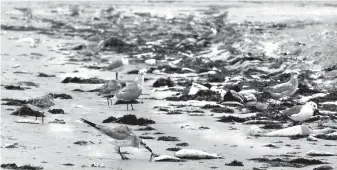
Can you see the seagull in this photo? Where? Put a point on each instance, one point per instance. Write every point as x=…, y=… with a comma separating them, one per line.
x=285, y=89
x=133, y=90
x=124, y=137
x=42, y=104
x=111, y=88
x=117, y=65
x=301, y=113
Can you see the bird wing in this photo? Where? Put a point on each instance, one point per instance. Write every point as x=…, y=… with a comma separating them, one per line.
x=118, y=133
x=115, y=64
x=292, y=110
x=111, y=87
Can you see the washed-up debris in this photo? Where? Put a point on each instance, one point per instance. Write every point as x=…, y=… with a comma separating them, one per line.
x=163, y=81
x=30, y=121
x=56, y=111
x=271, y=146
x=320, y=153
x=82, y=142
x=147, y=128
x=98, y=165
x=174, y=112
x=167, y=158
x=175, y=149
x=28, y=83
x=83, y=80
x=24, y=167
x=182, y=144
x=68, y=164
x=168, y=138
x=329, y=136
x=57, y=121
x=11, y=145
x=206, y=95
x=230, y=118
x=146, y=137
x=297, y=162
x=323, y=167
x=12, y=87
x=234, y=163
x=61, y=96
x=14, y=102
x=25, y=110
x=195, y=154
x=130, y=120
x=299, y=130
x=232, y=95
x=195, y=88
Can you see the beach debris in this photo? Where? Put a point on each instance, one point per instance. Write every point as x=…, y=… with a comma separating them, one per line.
x=147, y=128
x=232, y=95
x=57, y=121
x=14, y=102
x=320, y=153
x=11, y=145
x=234, y=163
x=168, y=138
x=82, y=142
x=56, y=111
x=68, y=164
x=98, y=165
x=28, y=121
x=167, y=158
x=61, y=96
x=83, y=80
x=25, y=110
x=195, y=154
x=329, y=136
x=296, y=162
x=299, y=130
x=195, y=88
x=130, y=120
x=185, y=144
x=175, y=149
x=12, y=87
x=163, y=81
x=24, y=167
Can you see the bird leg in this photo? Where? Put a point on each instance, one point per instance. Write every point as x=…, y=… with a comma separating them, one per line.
x=116, y=75
x=131, y=105
x=107, y=99
x=127, y=106
x=120, y=153
x=110, y=101
x=42, y=117
x=149, y=149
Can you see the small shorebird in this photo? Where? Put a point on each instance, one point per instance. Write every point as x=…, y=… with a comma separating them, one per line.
x=42, y=104
x=133, y=90
x=124, y=137
x=285, y=89
x=110, y=88
x=117, y=65
x=301, y=113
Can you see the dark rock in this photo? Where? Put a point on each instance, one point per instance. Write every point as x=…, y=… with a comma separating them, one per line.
x=163, y=81
x=168, y=138
x=79, y=90
x=209, y=106
x=12, y=87
x=45, y=75
x=25, y=110
x=326, y=136
x=56, y=111
x=273, y=126
x=83, y=81
x=61, y=96
x=296, y=137
x=146, y=137
x=271, y=146
x=234, y=163
x=14, y=102
x=204, y=127
x=82, y=142
x=323, y=167
x=232, y=119
x=182, y=144
x=147, y=128
x=68, y=164
x=222, y=110
x=175, y=149
x=232, y=95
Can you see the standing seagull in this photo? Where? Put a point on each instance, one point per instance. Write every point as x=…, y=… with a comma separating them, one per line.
x=133, y=90
x=42, y=104
x=110, y=88
x=117, y=65
x=285, y=89
x=124, y=137
x=301, y=113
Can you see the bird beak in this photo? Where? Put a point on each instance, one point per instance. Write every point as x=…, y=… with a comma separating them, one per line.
x=316, y=112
